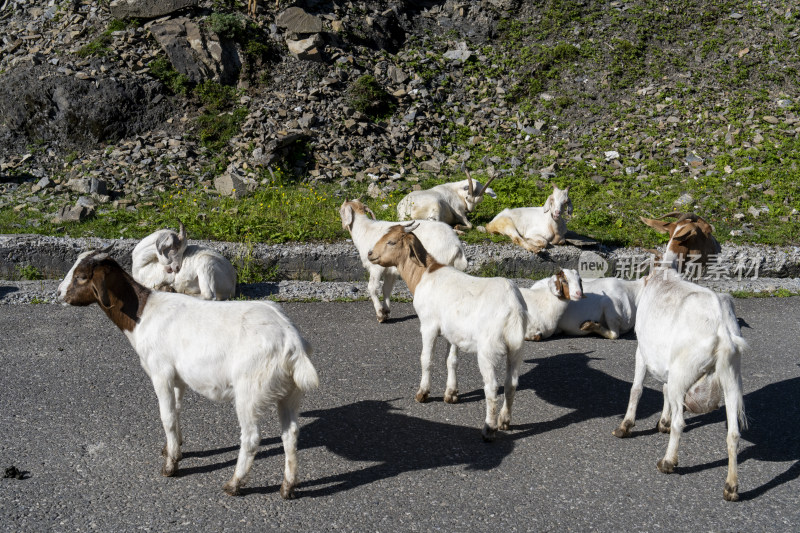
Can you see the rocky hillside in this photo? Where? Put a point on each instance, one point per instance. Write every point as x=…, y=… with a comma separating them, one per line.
x=695, y=104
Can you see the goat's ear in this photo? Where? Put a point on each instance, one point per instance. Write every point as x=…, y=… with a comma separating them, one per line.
x=416, y=250
x=554, y=284
x=684, y=232
x=548, y=204
x=569, y=207
x=659, y=225
x=347, y=215
x=181, y=232
x=99, y=287
x=705, y=227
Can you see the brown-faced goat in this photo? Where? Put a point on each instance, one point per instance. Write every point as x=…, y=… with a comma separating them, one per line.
x=608, y=308
x=534, y=228
x=482, y=315
x=245, y=352
x=690, y=239
x=437, y=237
x=547, y=301
x=689, y=339
x=449, y=202
x=165, y=261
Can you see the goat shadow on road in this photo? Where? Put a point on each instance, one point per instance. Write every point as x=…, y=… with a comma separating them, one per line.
x=5, y=291
x=374, y=431
x=773, y=415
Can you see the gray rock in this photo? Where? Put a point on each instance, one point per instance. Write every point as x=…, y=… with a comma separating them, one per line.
x=306, y=49
x=147, y=9
x=80, y=185
x=431, y=165
x=684, y=199
x=98, y=186
x=296, y=20
x=396, y=74
x=75, y=213
x=459, y=55
x=198, y=55
x=42, y=184
x=229, y=184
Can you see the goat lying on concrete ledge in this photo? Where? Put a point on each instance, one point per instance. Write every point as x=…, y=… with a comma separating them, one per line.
x=245, y=352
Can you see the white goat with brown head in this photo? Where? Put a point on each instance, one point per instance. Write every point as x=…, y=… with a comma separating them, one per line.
x=482, y=315
x=690, y=238
x=437, y=237
x=449, y=202
x=689, y=339
x=547, y=301
x=245, y=352
x=535, y=228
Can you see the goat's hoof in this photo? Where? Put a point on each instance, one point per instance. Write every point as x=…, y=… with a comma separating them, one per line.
x=231, y=488
x=169, y=469
x=623, y=431
x=488, y=433
x=287, y=491
x=663, y=427
x=421, y=397
x=383, y=316
x=451, y=396
x=667, y=467
x=504, y=425
x=731, y=494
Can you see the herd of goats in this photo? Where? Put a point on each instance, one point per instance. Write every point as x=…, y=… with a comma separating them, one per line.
x=250, y=353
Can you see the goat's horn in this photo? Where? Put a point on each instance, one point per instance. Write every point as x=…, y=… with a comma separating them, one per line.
x=411, y=226
x=368, y=210
x=490, y=180
x=181, y=231
x=469, y=180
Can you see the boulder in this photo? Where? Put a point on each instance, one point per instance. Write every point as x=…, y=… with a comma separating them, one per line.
x=297, y=21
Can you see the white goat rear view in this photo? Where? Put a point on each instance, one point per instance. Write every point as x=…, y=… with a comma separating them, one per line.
x=245, y=352
x=438, y=238
x=608, y=308
x=165, y=261
x=534, y=228
x=482, y=315
x=548, y=299
x=449, y=202
x=689, y=339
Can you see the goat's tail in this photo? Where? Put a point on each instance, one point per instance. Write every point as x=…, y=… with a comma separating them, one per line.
x=303, y=372
x=516, y=326
x=734, y=346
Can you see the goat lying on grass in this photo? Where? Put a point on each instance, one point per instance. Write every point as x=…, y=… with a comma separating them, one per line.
x=689, y=339
x=449, y=202
x=535, y=228
x=482, y=315
x=247, y=352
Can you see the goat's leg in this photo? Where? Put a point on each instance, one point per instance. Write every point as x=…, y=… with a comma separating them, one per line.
x=165, y=391
x=374, y=289
x=624, y=429
x=513, y=362
x=607, y=326
x=178, y=390
x=666, y=417
x=288, y=408
x=490, y=390
x=389, y=279
x=732, y=386
x=451, y=392
x=247, y=413
x=676, y=390
x=429, y=336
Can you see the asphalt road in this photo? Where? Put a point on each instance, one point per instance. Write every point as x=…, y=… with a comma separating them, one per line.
x=80, y=416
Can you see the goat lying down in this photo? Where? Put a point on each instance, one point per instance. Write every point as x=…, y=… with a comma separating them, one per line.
x=535, y=228
x=449, y=202
x=245, y=352
x=482, y=315
x=438, y=238
x=165, y=261
x=608, y=308
x=689, y=339
x=547, y=301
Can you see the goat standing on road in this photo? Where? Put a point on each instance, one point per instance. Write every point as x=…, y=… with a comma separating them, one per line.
x=247, y=352
x=483, y=315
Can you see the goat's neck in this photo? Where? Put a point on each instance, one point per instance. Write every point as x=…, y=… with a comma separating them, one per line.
x=412, y=272
x=128, y=299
